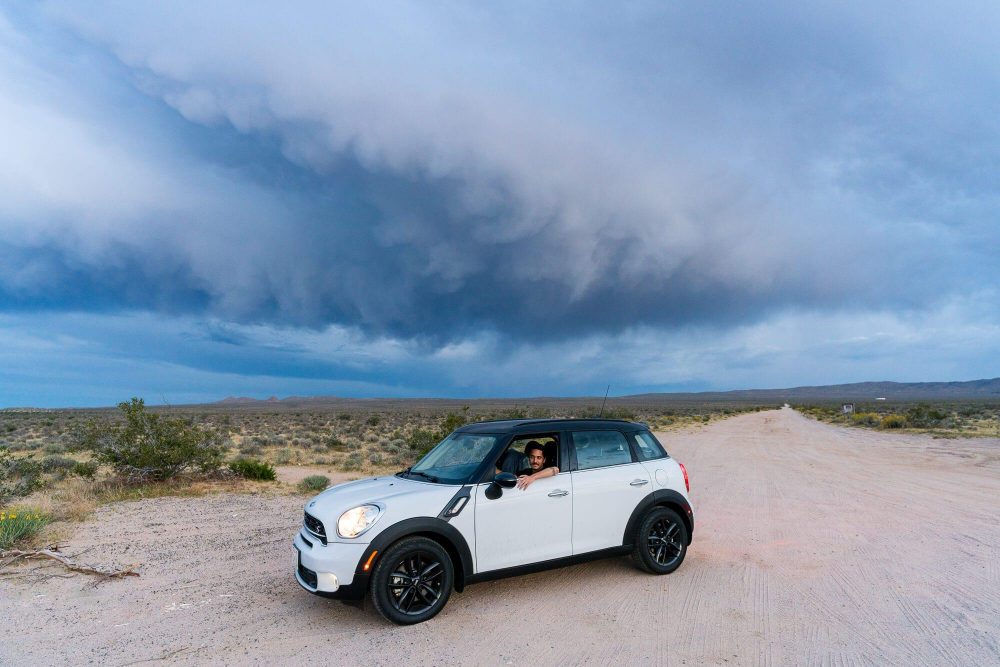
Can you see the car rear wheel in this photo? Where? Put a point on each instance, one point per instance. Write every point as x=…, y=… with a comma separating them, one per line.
x=660, y=541
x=412, y=580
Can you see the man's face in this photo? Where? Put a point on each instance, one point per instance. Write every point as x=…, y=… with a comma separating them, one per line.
x=536, y=459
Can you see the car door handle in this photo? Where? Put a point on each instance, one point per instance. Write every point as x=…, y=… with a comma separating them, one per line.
x=638, y=482
x=558, y=493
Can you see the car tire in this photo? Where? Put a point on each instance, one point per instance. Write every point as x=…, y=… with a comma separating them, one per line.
x=660, y=541
x=412, y=581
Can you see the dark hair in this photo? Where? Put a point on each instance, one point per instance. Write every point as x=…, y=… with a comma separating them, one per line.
x=534, y=444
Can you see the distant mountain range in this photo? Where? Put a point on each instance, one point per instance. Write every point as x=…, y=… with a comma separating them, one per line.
x=858, y=391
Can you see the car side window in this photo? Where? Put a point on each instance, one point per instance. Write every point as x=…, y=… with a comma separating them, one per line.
x=648, y=447
x=596, y=449
x=515, y=459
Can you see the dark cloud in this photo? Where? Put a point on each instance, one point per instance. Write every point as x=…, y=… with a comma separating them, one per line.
x=546, y=173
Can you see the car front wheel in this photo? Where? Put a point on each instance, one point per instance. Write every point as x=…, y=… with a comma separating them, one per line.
x=412, y=580
x=660, y=542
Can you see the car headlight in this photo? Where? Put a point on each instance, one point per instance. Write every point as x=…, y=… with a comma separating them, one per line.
x=355, y=521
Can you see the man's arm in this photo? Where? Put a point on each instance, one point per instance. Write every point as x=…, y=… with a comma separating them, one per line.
x=525, y=481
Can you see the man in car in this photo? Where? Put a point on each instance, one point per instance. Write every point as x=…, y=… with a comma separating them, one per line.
x=537, y=469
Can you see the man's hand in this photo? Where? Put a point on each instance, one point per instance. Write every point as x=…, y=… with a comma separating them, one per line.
x=524, y=481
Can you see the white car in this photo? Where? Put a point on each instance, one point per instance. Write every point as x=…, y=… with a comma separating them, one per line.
x=495, y=499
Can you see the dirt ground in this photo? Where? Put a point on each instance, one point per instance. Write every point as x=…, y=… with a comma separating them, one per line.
x=813, y=545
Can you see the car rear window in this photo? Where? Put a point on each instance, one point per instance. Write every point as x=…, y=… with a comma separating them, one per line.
x=648, y=447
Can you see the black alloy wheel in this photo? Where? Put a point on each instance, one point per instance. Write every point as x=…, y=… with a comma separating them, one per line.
x=412, y=580
x=660, y=542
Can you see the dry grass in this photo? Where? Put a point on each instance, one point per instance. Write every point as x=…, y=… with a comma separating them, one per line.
x=944, y=419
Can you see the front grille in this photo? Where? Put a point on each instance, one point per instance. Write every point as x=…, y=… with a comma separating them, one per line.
x=306, y=574
x=315, y=526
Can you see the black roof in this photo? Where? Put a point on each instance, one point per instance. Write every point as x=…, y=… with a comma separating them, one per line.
x=532, y=425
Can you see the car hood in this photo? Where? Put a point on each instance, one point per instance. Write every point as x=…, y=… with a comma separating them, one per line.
x=396, y=495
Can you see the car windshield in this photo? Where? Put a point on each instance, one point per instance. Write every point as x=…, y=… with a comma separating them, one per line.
x=454, y=459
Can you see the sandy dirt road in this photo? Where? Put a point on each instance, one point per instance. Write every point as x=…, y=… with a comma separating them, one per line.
x=813, y=545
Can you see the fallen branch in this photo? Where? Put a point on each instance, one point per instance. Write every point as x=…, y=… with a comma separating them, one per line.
x=11, y=556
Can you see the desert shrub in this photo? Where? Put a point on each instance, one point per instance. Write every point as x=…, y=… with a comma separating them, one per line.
x=251, y=449
x=344, y=416
x=147, y=446
x=375, y=457
x=85, y=469
x=56, y=463
x=893, y=421
x=353, y=461
x=283, y=457
x=421, y=440
x=18, y=476
x=450, y=422
x=19, y=524
x=923, y=415
x=619, y=413
x=314, y=483
x=865, y=419
x=336, y=444
x=370, y=436
x=54, y=448
x=251, y=469
x=373, y=420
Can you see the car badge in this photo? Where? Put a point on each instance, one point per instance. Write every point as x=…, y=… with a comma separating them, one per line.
x=312, y=503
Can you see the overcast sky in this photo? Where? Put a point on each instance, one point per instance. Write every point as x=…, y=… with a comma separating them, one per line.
x=444, y=199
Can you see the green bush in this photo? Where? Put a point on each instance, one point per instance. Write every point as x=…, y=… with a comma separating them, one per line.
x=251, y=469
x=18, y=476
x=314, y=483
x=85, y=469
x=152, y=447
x=865, y=419
x=56, y=463
x=619, y=413
x=923, y=415
x=893, y=421
x=421, y=440
x=451, y=422
x=19, y=524
x=353, y=461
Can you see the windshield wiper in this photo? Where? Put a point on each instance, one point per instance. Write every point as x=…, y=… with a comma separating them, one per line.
x=423, y=474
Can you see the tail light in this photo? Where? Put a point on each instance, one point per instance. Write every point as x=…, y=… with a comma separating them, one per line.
x=687, y=484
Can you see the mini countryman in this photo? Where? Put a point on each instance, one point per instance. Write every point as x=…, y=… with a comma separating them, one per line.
x=495, y=499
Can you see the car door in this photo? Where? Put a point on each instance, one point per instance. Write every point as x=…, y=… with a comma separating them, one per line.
x=524, y=526
x=607, y=485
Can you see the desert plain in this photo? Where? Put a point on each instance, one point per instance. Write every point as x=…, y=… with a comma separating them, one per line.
x=814, y=544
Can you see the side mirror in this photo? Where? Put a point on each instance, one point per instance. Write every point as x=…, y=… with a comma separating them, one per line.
x=506, y=479
x=503, y=480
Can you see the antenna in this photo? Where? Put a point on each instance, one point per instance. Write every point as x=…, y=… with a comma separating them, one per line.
x=604, y=401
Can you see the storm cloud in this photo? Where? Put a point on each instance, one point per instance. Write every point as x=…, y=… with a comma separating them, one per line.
x=438, y=173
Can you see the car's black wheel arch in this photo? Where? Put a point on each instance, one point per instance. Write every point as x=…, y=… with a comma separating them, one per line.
x=660, y=498
x=432, y=528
